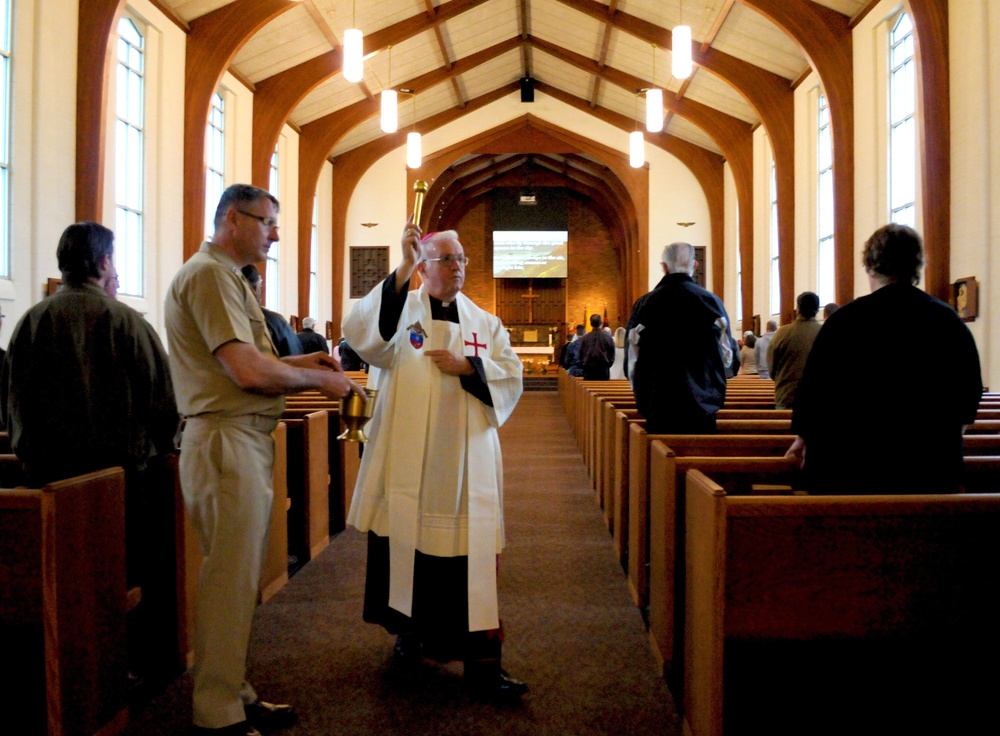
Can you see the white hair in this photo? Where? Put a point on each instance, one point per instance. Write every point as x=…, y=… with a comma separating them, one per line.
x=433, y=238
x=679, y=258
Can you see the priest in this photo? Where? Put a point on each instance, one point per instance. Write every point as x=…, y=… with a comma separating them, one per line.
x=429, y=491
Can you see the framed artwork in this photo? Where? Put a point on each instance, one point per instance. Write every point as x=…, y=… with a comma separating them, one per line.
x=965, y=297
x=369, y=265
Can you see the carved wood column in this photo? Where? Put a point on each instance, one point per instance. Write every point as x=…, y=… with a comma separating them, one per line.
x=94, y=54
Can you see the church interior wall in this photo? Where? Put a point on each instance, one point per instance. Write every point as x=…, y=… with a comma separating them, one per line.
x=975, y=184
x=475, y=229
x=594, y=274
x=324, y=244
x=675, y=196
x=288, y=195
x=732, y=238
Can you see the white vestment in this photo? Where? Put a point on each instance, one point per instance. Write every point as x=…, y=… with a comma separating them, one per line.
x=431, y=477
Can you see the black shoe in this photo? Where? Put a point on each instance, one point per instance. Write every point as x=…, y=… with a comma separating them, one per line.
x=237, y=729
x=269, y=716
x=497, y=685
x=408, y=651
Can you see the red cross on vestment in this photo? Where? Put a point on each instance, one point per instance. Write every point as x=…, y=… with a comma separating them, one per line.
x=475, y=343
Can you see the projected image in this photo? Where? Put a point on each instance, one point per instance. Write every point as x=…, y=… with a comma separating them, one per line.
x=530, y=254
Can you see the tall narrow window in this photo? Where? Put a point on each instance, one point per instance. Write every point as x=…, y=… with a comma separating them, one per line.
x=129, y=158
x=215, y=160
x=271, y=293
x=774, y=245
x=5, y=105
x=902, y=124
x=739, y=281
x=825, y=268
x=314, y=263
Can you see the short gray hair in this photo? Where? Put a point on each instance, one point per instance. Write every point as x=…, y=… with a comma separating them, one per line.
x=679, y=258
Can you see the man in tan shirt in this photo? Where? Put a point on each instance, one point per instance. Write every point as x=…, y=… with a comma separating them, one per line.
x=230, y=388
x=789, y=349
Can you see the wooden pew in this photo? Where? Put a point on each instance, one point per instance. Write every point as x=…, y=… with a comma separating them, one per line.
x=636, y=524
x=275, y=572
x=63, y=605
x=668, y=472
x=915, y=575
x=308, y=484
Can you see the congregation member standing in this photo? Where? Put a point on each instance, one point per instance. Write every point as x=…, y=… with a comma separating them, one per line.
x=230, y=387
x=789, y=349
x=430, y=491
x=312, y=341
x=286, y=342
x=86, y=383
x=876, y=428
x=597, y=352
x=748, y=358
x=760, y=349
x=679, y=348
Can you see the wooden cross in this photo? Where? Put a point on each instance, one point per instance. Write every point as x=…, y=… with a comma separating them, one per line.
x=531, y=296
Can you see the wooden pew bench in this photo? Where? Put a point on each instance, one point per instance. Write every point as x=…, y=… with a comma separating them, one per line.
x=668, y=474
x=63, y=605
x=308, y=471
x=887, y=605
x=634, y=524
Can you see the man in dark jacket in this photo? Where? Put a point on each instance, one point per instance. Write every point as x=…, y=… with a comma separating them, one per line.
x=679, y=344
x=597, y=351
x=312, y=341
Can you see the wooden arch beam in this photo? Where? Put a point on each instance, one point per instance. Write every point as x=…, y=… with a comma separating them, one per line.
x=348, y=169
x=770, y=95
x=825, y=36
x=532, y=134
x=94, y=45
x=930, y=19
x=706, y=166
x=213, y=41
x=278, y=95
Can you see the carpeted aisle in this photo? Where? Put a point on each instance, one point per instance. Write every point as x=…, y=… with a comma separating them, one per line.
x=572, y=631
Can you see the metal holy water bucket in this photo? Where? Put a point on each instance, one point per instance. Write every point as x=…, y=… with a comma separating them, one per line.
x=355, y=412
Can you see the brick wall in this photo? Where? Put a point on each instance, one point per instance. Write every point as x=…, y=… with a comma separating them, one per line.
x=594, y=274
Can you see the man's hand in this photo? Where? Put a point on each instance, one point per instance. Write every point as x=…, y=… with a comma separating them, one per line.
x=314, y=360
x=410, y=243
x=451, y=363
x=797, y=451
x=336, y=385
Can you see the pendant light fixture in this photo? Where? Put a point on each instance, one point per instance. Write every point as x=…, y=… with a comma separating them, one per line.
x=680, y=48
x=414, y=157
x=636, y=144
x=354, y=52
x=390, y=117
x=654, y=103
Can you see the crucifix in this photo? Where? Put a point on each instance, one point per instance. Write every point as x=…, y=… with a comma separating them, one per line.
x=531, y=296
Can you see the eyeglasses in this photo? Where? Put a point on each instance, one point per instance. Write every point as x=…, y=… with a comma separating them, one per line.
x=450, y=259
x=269, y=222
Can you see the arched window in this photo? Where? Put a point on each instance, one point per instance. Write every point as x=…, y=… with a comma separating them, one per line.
x=825, y=269
x=774, y=245
x=739, y=280
x=215, y=160
x=271, y=280
x=130, y=158
x=5, y=105
x=902, y=123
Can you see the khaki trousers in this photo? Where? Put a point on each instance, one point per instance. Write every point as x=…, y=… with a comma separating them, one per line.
x=226, y=467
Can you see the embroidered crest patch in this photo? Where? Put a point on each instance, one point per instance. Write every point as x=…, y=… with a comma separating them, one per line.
x=417, y=335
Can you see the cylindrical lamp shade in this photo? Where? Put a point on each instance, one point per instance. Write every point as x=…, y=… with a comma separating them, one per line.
x=680, y=52
x=654, y=110
x=354, y=55
x=413, y=154
x=390, y=120
x=636, y=149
